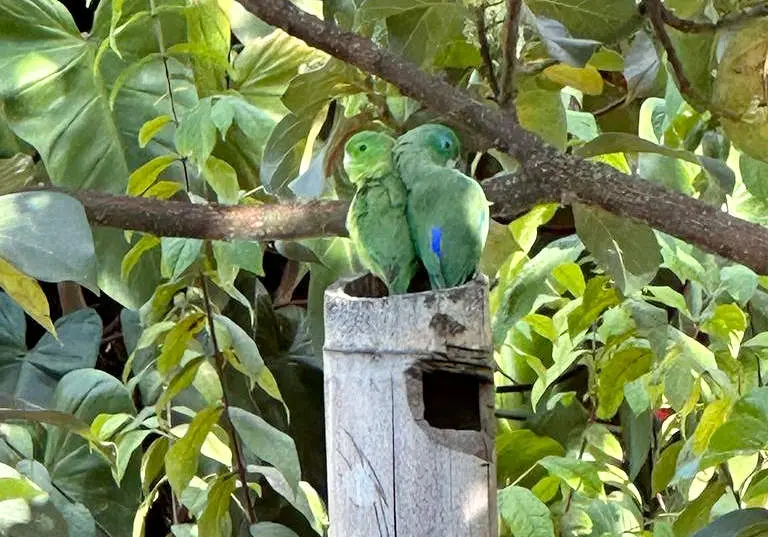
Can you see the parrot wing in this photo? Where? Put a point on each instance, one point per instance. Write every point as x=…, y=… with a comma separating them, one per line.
x=378, y=226
x=449, y=218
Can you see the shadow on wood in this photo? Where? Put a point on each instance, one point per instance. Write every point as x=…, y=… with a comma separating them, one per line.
x=409, y=412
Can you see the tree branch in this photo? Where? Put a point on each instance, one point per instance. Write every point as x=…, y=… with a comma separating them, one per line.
x=656, y=14
x=511, y=25
x=216, y=222
x=732, y=19
x=485, y=52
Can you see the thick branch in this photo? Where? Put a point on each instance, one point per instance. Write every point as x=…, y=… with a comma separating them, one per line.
x=216, y=222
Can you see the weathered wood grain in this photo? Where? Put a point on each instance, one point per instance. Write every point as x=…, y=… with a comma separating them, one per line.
x=392, y=473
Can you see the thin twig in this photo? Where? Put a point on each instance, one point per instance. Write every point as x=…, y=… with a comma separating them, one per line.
x=732, y=19
x=509, y=53
x=487, y=70
x=219, y=361
x=656, y=12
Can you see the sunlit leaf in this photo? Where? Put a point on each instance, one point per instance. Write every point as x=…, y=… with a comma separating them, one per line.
x=524, y=513
x=182, y=457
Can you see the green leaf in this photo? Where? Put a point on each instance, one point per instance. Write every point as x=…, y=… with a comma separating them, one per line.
x=562, y=46
x=81, y=474
x=697, y=513
x=627, y=249
x=270, y=529
x=223, y=180
x=727, y=324
x=178, y=255
x=542, y=112
x=599, y=295
x=267, y=443
x=524, y=513
x=518, y=451
x=16, y=172
x=46, y=235
x=180, y=381
x=651, y=323
x=569, y=275
x=741, y=523
x=664, y=469
x=746, y=429
x=32, y=375
x=419, y=34
x=591, y=19
x=60, y=105
x=182, y=457
x=754, y=173
x=519, y=295
x=250, y=358
x=760, y=340
x=669, y=297
x=618, y=142
x=524, y=228
x=641, y=66
x=740, y=282
x=153, y=462
x=196, y=134
x=176, y=340
x=622, y=367
x=208, y=30
x=581, y=476
x=215, y=520
x=264, y=68
x=738, y=88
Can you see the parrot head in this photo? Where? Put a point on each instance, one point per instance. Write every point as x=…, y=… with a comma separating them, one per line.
x=440, y=143
x=368, y=154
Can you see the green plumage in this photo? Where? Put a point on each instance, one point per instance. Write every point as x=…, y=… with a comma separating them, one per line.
x=447, y=211
x=376, y=220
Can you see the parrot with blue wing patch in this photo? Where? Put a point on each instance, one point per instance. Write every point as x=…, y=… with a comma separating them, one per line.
x=376, y=221
x=447, y=211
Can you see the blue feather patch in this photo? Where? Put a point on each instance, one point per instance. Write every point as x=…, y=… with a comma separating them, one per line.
x=437, y=241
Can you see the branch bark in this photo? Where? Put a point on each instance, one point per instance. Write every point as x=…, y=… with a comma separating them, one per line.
x=511, y=26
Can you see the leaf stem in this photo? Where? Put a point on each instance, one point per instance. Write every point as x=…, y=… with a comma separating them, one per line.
x=219, y=362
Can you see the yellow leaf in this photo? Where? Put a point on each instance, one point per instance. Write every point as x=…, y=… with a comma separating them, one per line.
x=585, y=79
x=132, y=256
x=27, y=293
x=144, y=177
x=150, y=129
x=162, y=190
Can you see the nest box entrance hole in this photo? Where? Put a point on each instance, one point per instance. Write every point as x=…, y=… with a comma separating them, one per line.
x=451, y=400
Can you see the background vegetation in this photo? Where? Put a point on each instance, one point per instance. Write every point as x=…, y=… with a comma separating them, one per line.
x=160, y=350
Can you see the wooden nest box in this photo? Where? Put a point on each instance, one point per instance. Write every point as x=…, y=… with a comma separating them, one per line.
x=409, y=413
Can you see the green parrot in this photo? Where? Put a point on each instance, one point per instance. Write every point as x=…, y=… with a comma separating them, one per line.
x=447, y=211
x=376, y=220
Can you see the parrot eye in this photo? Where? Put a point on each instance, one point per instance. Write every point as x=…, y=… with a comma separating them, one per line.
x=446, y=144
x=362, y=147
